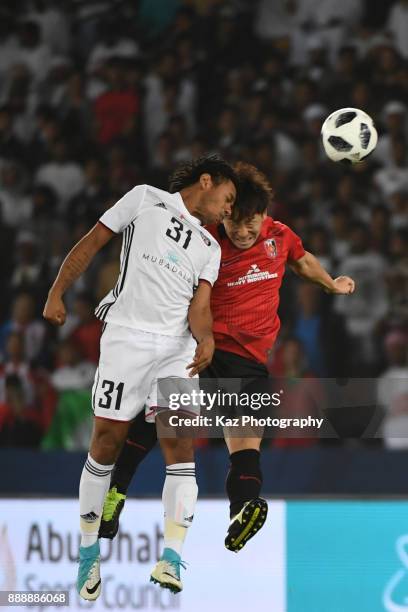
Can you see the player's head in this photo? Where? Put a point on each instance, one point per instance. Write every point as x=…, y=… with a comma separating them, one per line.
x=208, y=186
x=250, y=209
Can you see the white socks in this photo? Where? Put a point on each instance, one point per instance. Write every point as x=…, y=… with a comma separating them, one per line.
x=179, y=499
x=94, y=485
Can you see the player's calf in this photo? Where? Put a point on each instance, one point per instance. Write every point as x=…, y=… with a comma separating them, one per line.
x=179, y=499
x=140, y=441
x=248, y=510
x=95, y=479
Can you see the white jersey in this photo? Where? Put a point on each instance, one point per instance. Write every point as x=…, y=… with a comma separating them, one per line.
x=165, y=252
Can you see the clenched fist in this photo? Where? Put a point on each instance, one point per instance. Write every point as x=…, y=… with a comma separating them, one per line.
x=343, y=285
x=54, y=310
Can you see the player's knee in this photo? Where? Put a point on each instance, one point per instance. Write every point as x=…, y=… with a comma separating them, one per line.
x=237, y=444
x=106, y=445
x=178, y=450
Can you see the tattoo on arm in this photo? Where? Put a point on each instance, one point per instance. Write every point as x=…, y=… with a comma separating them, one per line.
x=73, y=266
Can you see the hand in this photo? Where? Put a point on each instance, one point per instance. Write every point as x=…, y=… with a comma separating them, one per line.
x=54, y=310
x=203, y=356
x=343, y=285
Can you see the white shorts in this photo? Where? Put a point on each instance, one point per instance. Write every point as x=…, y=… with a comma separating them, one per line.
x=130, y=364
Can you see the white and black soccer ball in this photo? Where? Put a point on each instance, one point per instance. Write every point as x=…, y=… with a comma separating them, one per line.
x=349, y=134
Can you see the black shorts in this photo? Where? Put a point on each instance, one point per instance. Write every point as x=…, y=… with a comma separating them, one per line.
x=230, y=375
x=229, y=365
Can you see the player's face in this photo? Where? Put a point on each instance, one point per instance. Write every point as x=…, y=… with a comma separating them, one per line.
x=245, y=233
x=216, y=201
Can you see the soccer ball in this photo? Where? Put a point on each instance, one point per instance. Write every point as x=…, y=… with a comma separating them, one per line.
x=349, y=134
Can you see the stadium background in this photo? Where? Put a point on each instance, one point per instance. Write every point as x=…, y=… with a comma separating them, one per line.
x=96, y=96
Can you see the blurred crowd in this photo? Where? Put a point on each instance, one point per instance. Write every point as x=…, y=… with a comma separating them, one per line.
x=99, y=95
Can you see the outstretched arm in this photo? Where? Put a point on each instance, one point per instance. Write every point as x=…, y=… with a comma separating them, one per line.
x=200, y=321
x=309, y=268
x=75, y=263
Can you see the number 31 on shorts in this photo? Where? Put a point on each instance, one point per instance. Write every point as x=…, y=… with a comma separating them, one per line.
x=111, y=393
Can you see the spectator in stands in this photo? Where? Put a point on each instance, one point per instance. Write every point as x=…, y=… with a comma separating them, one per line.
x=397, y=278
x=44, y=222
x=54, y=25
x=156, y=17
x=6, y=248
x=395, y=176
x=122, y=172
x=302, y=394
x=113, y=44
x=344, y=75
x=87, y=19
x=75, y=110
x=368, y=305
x=393, y=391
x=16, y=364
x=399, y=208
x=398, y=26
x=162, y=160
x=46, y=131
x=394, y=116
x=29, y=272
x=87, y=333
x=347, y=196
x=177, y=130
x=117, y=106
x=24, y=320
x=321, y=333
x=318, y=242
x=380, y=229
x=16, y=208
x=386, y=63
x=87, y=206
x=22, y=97
x=72, y=372
x=39, y=397
x=16, y=426
x=32, y=52
x=167, y=95
x=339, y=225
x=8, y=48
x=64, y=175
x=10, y=147
x=316, y=198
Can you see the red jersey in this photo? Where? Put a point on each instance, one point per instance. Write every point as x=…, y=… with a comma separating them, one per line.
x=245, y=297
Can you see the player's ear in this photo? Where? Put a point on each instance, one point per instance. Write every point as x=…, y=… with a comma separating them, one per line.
x=206, y=181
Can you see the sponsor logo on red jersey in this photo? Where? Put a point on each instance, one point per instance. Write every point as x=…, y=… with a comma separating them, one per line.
x=253, y=275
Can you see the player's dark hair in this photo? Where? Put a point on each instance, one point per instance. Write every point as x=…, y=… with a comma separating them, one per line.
x=189, y=172
x=254, y=194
